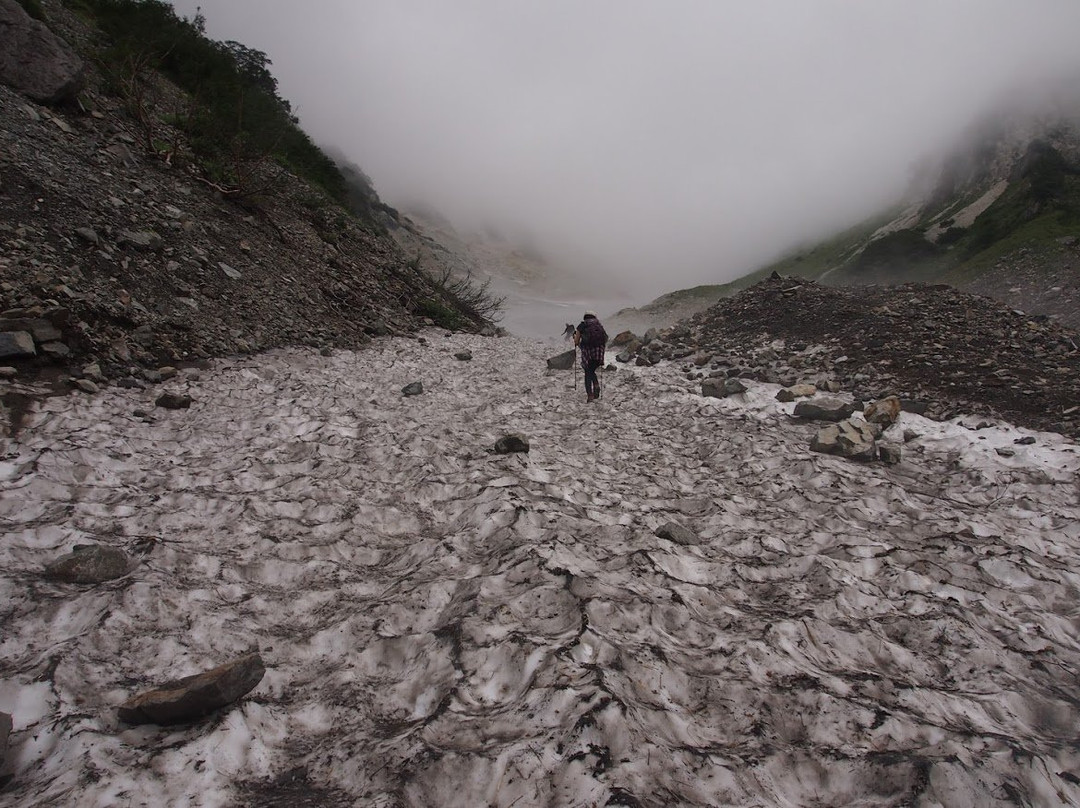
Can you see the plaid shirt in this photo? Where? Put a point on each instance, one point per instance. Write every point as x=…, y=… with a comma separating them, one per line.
x=593, y=355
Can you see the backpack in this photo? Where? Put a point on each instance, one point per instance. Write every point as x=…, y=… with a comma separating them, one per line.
x=593, y=334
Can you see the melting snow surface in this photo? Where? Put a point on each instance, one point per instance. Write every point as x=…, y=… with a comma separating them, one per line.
x=446, y=626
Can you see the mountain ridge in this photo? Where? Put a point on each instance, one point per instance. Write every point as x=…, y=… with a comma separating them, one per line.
x=999, y=215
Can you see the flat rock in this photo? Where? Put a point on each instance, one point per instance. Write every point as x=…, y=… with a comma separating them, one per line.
x=563, y=361
x=173, y=401
x=89, y=564
x=463, y=356
x=722, y=387
x=514, y=442
x=673, y=531
x=17, y=344
x=795, y=391
x=141, y=239
x=824, y=409
x=195, y=696
x=412, y=389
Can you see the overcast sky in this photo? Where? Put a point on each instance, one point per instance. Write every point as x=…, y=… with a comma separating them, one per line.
x=671, y=143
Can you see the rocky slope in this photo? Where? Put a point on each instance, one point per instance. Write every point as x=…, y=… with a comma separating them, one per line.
x=942, y=350
x=120, y=260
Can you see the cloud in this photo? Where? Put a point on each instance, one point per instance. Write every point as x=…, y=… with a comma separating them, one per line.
x=661, y=143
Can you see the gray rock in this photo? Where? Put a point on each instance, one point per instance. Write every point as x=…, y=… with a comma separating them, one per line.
x=514, y=442
x=17, y=343
x=910, y=435
x=55, y=350
x=464, y=356
x=643, y=361
x=166, y=372
x=44, y=331
x=412, y=389
x=673, y=531
x=623, y=356
x=195, y=696
x=795, y=391
x=1027, y=441
x=93, y=372
x=86, y=386
x=563, y=361
x=1004, y=451
x=141, y=240
x=89, y=564
x=650, y=335
x=35, y=61
x=825, y=409
x=847, y=439
x=174, y=401
x=87, y=234
x=913, y=406
x=229, y=271
x=889, y=454
x=6, y=765
x=721, y=387
x=8, y=372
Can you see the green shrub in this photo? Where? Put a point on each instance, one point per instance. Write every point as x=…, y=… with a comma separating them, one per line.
x=237, y=118
x=34, y=9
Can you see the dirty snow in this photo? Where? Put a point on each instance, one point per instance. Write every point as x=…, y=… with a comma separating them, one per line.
x=446, y=626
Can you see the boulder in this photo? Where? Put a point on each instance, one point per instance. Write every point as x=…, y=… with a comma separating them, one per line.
x=623, y=338
x=412, y=389
x=847, y=439
x=824, y=409
x=33, y=60
x=884, y=411
x=796, y=391
x=194, y=696
x=463, y=356
x=514, y=442
x=17, y=344
x=174, y=401
x=721, y=387
x=623, y=356
x=563, y=361
x=89, y=564
x=673, y=531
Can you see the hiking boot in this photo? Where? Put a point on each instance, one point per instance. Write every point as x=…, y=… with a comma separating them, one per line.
x=588, y=398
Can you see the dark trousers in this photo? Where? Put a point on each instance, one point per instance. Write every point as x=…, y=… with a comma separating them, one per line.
x=592, y=383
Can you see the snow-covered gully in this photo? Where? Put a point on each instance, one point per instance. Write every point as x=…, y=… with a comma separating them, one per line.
x=446, y=626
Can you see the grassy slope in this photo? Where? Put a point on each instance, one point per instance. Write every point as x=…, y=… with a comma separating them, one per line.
x=1035, y=210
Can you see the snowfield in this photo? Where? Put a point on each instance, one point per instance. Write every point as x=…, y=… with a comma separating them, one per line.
x=445, y=626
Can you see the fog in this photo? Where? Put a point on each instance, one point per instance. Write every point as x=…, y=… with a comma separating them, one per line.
x=659, y=144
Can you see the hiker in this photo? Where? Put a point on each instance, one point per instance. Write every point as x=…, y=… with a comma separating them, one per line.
x=591, y=337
